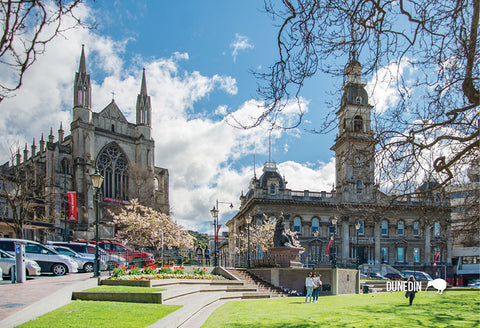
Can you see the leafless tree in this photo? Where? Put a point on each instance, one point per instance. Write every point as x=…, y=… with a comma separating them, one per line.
x=27, y=26
x=23, y=191
x=426, y=50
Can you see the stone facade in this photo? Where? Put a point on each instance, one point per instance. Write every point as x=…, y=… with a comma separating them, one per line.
x=123, y=153
x=403, y=233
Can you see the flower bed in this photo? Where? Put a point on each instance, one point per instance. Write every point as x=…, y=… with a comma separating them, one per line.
x=165, y=272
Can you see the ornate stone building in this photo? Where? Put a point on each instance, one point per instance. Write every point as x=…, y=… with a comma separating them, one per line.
x=361, y=221
x=123, y=153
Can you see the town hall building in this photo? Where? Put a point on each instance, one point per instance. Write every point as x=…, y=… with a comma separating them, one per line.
x=355, y=222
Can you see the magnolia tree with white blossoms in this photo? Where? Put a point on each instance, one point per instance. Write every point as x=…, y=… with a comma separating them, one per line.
x=142, y=225
x=262, y=235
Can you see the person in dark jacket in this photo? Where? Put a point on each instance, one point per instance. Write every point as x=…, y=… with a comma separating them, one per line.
x=410, y=293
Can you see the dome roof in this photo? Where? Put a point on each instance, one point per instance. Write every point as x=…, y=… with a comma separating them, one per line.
x=270, y=172
x=355, y=94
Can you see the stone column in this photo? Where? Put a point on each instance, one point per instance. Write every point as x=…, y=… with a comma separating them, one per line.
x=377, y=232
x=345, y=240
x=449, y=244
x=428, y=255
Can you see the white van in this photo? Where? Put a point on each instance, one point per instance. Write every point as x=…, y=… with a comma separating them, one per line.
x=49, y=260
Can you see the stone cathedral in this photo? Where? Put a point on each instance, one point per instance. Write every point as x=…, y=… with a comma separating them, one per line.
x=122, y=152
x=358, y=220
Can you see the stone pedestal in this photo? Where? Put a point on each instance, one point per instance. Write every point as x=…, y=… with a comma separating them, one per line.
x=286, y=257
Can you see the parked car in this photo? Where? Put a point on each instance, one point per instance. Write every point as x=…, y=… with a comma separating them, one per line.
x=418, y=275
x=49, y=260
x=88, y=250
x=133, y=257
x=395, y=276
x=84, y=263
x=474, y=283
x=7, y=264
x=376, y=276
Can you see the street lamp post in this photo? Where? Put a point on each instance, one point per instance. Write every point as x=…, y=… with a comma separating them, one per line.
x=334, y=260
x=97, y=180
x=248, y=219
x=214, y=211
x=357, y=260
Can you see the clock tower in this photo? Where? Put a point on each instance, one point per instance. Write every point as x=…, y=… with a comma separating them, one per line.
x=355, y=143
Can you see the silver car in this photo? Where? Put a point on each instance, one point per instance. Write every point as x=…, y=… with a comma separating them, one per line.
x=84, y=263
x=7, y=263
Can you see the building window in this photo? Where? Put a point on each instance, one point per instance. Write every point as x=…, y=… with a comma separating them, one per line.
x=65, y=166
x=401, y=255
x=384, y=255
x=361, y=231
x=358, y=124
x=297, y=225
x=314, y=225
x=272, y=189
x=400, y=228
x=333, y=228
x=112, y=164
x=416, y=255
x=436, y=229
x=384, y=228
x=359, y=186
x=416, y=231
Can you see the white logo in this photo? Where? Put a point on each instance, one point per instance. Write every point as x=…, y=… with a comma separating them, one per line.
x=438, y=284
x=404, y=286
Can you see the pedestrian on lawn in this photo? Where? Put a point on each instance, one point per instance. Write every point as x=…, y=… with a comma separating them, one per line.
x=317, y=284
x=309, y=286
x=410, y=294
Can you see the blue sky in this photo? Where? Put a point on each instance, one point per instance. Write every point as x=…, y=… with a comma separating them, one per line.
x=198, y=57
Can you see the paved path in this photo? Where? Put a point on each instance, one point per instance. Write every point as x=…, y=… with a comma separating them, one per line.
x=22, y=302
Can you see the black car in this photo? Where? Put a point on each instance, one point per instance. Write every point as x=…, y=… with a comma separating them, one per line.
x=395, y=276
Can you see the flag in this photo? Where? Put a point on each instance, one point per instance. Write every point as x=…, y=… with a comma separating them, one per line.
x=436, y=257
x=328, y=248
x=216, y=232
x=72, y=205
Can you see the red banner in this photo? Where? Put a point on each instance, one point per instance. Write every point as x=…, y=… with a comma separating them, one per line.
x=328, y=248
x=436, y=257
x=72, y=205
x=216, y=232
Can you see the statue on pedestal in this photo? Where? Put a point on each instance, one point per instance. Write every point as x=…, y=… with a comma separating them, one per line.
x=280, y=237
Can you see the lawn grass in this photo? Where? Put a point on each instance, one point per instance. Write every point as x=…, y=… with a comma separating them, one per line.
x=80, y=314
x=429, y=309
x=123, y=289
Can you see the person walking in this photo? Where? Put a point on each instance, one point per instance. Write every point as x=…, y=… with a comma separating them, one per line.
x=317, y=284
x=309, y=286
x=207, y=256
x=199, y=252
x=410, y=294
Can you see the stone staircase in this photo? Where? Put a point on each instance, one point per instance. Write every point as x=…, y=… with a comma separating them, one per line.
x=252, y=280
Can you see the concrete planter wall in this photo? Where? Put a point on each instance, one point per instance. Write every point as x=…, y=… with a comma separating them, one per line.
x=118, y=297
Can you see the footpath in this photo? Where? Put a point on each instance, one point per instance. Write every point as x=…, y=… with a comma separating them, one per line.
x=23, y=302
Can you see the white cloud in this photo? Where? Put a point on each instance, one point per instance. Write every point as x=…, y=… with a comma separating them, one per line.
x=239, y=44
x=200, y=152
x=313, y=177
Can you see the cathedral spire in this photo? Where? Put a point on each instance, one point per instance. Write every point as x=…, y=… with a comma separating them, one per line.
x=82, y=68
x=82, y=90
x=143, y=88
x=144, y=108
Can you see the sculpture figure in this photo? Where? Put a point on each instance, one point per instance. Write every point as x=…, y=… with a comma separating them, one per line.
x=280, y=237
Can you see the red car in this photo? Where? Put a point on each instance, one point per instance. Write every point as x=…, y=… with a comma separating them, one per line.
x=131, y=256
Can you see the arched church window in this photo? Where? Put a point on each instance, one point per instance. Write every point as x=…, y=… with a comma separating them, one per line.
x=112, y=164
x=358, y=124
x=113, y=127
x=157, y=184
x=297, y=225
x=65, y=166
x=359, y=186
